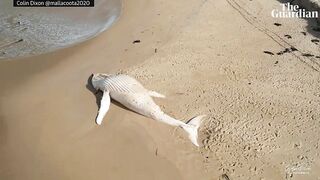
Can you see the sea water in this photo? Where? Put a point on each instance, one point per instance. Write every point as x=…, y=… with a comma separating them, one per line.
x=26, y=31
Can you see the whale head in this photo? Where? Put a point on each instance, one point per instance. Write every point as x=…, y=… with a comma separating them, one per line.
x=97, y=80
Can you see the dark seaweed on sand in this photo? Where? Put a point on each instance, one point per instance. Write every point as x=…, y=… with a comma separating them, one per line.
x=286, y=50
x=268, y=52
x=288, y=36
x=136, y=41
x=307, y=55
x=293, y=49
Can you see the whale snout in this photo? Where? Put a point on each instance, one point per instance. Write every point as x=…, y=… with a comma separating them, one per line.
x=94, y=76
x=99, y=76
x=97, y=80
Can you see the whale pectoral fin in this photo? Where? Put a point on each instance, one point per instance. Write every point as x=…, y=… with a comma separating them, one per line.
x=104, y=107
x=155, y=94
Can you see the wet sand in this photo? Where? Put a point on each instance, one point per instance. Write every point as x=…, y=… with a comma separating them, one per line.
x=47, y=111
x=263, y=109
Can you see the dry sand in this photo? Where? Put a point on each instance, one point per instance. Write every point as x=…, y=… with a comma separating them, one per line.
x=263, y=110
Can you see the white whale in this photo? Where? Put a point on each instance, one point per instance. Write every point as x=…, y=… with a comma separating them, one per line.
x=130, y=93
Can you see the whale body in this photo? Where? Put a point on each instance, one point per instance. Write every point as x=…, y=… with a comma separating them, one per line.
x=131, y=94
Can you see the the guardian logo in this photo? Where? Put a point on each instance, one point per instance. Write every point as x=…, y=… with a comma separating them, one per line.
x=293, y=11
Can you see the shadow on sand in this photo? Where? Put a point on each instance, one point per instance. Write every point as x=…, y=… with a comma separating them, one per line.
x=313, y=26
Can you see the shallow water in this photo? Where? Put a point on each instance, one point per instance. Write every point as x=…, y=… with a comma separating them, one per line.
x=33, y=31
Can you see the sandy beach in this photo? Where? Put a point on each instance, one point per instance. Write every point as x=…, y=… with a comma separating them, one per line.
x=255, y=77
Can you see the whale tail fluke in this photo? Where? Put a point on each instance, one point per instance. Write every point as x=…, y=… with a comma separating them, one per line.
x=191, y=127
